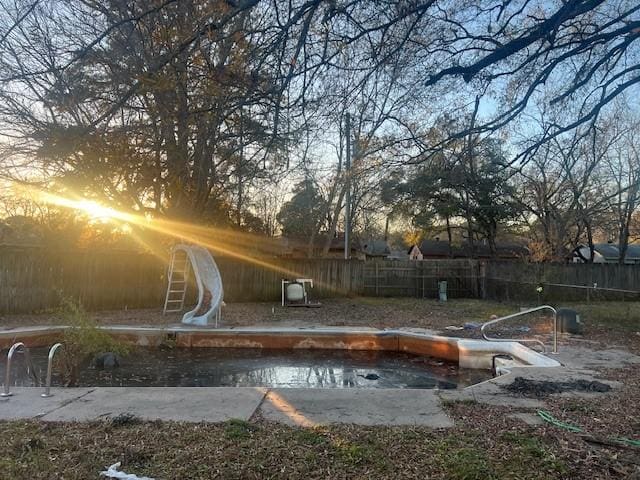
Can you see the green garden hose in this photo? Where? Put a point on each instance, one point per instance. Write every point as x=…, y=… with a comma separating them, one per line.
x=547, y=417
x=627, y=441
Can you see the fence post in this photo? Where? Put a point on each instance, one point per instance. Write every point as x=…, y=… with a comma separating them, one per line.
x=376, y=275
x=472, y=283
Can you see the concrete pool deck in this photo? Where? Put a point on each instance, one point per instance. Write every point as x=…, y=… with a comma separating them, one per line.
x=303, y=407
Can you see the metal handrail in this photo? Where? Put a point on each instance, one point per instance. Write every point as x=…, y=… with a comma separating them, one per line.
x=7, y=380
x=47, y=391
x=530, y=340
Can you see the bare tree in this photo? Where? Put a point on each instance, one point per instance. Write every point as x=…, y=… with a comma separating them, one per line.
x=622, y=172
x=583, y=49
x=513, y=54
x=572, y=185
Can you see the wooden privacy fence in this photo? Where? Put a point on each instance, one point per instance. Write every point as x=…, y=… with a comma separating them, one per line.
x=420, y=279
x=34, y=279
x=246, y=281
x=507, y=281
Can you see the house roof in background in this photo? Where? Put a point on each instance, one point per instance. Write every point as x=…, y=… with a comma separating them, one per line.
x=607, y=250
x=336, y=242
x=611, y=251
x=633, y=251
x=376, y=248
x=439, y=248
x=398, y=255
x=434, y=248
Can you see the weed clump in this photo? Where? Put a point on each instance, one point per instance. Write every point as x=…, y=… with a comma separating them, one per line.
x=82, y=341
x=124, y=420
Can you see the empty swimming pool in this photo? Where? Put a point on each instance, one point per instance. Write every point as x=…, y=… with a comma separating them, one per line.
x=249, y=367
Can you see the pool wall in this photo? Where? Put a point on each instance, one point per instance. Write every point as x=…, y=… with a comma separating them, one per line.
x=468, y=353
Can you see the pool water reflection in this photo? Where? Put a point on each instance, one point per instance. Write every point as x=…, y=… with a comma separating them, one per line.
x=240, y=367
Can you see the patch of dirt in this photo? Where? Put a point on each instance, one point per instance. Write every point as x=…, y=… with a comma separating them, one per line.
x=542, y=388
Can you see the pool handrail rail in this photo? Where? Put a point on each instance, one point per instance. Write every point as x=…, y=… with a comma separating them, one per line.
x=52, y=351
x=524, y=340
x=16, y=347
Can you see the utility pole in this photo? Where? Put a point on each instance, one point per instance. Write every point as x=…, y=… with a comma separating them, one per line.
x=347, y=172
x=239, y=168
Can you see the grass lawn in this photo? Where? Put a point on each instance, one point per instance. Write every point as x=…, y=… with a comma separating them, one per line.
x=485, y=442
x=241, y=450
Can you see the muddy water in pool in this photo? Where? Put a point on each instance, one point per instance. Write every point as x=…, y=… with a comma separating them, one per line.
x=227, y=367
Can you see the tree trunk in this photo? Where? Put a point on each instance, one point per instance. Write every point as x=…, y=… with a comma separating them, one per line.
x=592, y=248
x=624, y=233
x=334, y=220
x=449, y=236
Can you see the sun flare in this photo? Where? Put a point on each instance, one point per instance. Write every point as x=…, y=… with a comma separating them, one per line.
x=224, y=242
x=96, y=211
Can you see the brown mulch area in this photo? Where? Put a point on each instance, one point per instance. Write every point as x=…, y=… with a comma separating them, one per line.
x=543, y=388
x=370, y=312
x=609, y=336
x=590, y=454
x=615, y=413
x=603, y=418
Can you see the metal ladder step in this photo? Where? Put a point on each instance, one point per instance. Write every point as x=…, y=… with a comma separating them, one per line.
x=177, y=282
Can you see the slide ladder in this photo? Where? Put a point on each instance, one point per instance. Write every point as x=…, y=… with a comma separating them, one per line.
x=177, y=285
x=207, y=278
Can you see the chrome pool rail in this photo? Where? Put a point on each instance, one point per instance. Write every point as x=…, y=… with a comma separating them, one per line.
x=47, y=389
x=527, y=340
x=16, y=347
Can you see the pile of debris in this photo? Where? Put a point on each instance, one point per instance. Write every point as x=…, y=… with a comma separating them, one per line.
x=542, y=388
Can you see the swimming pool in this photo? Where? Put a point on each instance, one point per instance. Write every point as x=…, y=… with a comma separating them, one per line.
x=332, y=357
x=271, y=368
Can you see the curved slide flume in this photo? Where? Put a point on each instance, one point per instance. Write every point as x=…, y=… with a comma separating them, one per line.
x=209, y=282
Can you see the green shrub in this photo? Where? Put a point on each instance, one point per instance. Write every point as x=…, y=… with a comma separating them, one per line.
x=82, y=341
